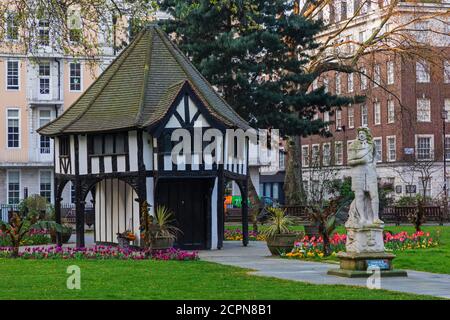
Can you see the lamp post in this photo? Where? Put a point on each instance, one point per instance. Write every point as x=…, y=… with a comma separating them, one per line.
x=444, y=117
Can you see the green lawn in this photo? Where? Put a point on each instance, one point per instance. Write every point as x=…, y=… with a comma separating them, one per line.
x=435, y=260
x=114, y=279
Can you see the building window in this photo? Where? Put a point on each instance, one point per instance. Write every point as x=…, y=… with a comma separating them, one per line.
x=338, y=83
x=391, y=149
x=446, y=71
x=305, y=156
x=378, y=149
x=315, y=155
x=326, y=118
x=44, y=118
x=72, y=193
x=326, y=85
x=422, y=72
x=447, y=108
x=377, y=113
x=364, y=116
x=447, y=147
x=13, y=187
x=13, y=128
x=424, y=146
x=116, y=143
x=64, y=146
x=343, y=10
x=12, y=77
x=44, y=78
x=423, y=110
x=350, y=82
x=338, y=119
x=75, y=76
x=326, y=154
x=390, y=111
x=377, y=75
x=12, y=27
x=390, y=72
x=282, y=161
x=351, y=117
x=338, y=153
x=425, y=186
x=44, y=32
x=45, y=184
x=363, y=81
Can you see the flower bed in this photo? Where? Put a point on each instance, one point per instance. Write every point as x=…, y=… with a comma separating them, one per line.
x=313, y=247
x=236, y=234
x=36, y=237
x=100, y=252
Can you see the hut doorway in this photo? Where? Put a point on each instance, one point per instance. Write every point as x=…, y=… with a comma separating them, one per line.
x=190, y=201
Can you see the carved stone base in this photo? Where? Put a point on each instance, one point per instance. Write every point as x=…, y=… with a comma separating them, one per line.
x=357, y=265
x=365, y=239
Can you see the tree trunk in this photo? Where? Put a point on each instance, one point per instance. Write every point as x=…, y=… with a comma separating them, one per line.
x=255, y=204
x=293, y=185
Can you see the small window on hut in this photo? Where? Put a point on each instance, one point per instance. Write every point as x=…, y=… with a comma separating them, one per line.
x=108, y=144
x=64, y=146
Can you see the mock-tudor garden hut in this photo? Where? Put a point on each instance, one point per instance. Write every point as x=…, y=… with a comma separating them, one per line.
x=114, y=142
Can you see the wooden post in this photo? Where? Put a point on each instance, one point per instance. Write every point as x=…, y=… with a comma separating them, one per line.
x=58, y=200
x=244, y=195
x=220, y=207
x=79, y=214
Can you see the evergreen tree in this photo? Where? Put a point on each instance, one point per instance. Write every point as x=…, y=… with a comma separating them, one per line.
x=256, y=53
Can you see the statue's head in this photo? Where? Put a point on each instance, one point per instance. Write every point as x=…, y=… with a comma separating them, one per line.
x=364, y=135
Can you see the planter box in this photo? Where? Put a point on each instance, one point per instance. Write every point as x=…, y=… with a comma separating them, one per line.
x=282, y=243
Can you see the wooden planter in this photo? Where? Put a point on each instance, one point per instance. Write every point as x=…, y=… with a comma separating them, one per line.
x=311, y=230
x=281, y=243
x=65, y=235
x=162, y=243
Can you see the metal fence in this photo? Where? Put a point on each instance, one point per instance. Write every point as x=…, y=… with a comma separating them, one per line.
x=5, y=209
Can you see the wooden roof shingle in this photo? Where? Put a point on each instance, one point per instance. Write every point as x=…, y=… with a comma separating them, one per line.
x=137, y=90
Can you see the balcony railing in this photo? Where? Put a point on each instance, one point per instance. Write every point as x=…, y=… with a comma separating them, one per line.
x=38, y=96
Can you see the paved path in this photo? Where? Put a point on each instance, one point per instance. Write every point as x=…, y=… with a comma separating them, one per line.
x=257, y=257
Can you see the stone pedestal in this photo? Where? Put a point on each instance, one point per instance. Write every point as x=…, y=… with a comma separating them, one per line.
x=365, y=254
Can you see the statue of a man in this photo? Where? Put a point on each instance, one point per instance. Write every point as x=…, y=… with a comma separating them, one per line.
x=361, y=157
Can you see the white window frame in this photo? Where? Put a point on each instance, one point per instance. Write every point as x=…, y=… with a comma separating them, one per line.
x=376, y=75
x=447, y=71
x=315, y=161
x=326, y=163
x=51, y=182
x=40, y=125
x=381, y=148
x=390, y=69
x=447, y=108
x=431, y=136
x=366, y=124
x=350, y=82
x=305, y=164
x=377, y=113
x=390, y=103
x=338, y=115
x=351, y=124
x=7, y=183
x=336, y=162
x=338, y=83
x=447, y=136
x=388, y=149
x=428, y=119
x=81, y=76
x=18, y=74
x=20, y=128
x=47, y=77
x=423, y=72
x=363, y=79
x=6, y=27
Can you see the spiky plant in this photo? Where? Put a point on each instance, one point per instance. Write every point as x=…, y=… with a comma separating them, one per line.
x=279, y=223
x=165, y=222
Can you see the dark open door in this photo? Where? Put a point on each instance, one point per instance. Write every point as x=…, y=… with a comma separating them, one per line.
x=188, y=199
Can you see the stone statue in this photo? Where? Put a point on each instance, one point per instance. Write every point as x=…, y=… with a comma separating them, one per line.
x=364, y=246
x=361, y=157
